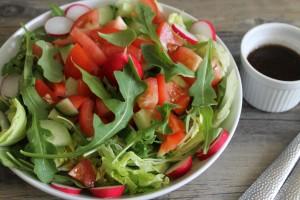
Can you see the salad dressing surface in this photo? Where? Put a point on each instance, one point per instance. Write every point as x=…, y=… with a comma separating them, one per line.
x=276, y=61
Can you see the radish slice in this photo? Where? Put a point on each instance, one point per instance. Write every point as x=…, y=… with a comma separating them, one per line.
x=215, y=147
x=108, y=191
x=204, y=28
x=181, y=168
x=10, y=86
x=66, y=189
x=76, y=10
x=184, y=34
x=58, y=26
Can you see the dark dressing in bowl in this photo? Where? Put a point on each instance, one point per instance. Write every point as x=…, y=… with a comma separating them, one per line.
x=276, y=61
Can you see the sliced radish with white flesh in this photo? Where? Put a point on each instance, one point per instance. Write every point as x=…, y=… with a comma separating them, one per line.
x=204, y=28
x=184, y=34
x=180, y=169
x=10, y=86
x=66, y=189
x=108, y=191
x=215, y=147
x=76, y=10
x=58, y=26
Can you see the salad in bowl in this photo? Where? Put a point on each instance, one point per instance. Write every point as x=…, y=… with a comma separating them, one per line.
x=116, y=100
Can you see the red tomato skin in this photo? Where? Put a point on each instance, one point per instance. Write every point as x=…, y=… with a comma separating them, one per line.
x=182, y=104
x=149, y=99
x=116, y=62
x=187, y=57
x=83, y=89
x=37, y=51
x=163, y=96
x=61, y=42
x=138, y=66
x=77, y=100
x=45, y=92
x=172, y=140
x=78, y=56
x=89, y=46
x=59, y=89
x=90, y=18
x=84, y=172
x=103, y=112
x=86, y=116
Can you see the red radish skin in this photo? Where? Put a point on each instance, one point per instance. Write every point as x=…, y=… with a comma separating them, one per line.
x=76, y=10
x=189, y=37
x=215, y=147
x=66, y=189
x=108, y=191
x=180, y=169
x=204, y=27
x=58, y=26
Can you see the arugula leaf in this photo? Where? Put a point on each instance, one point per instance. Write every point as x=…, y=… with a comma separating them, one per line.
x=52, y=69
x=67, y=180
x=130, y=88
x=95, y=85
x=44, y=169
x=27, y=73
x=145, y=18
x=35, y=104
x=201, y=90
x=56, y=10
x=154, y=56
x=4, y=158
x=122, y=38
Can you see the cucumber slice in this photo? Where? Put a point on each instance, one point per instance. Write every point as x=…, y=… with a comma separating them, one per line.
x=71, y=86
x=66, y=107
x=65, y=51
x=106, y=14
x=60, y=135
x=56, y=116
x=143, y=119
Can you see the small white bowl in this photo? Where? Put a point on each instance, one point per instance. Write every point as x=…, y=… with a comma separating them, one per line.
x=9, y=49
x=261, y=91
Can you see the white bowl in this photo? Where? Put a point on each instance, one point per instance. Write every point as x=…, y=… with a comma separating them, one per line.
x=261, y=91
x=9, y=49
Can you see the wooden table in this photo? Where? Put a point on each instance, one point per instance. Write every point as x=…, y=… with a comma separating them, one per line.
x=260, y=136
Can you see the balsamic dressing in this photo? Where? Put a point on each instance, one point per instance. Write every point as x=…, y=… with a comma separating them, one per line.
x=276, y=61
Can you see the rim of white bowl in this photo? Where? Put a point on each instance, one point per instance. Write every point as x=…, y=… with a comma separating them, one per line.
x=47, y=189
x=247, y=36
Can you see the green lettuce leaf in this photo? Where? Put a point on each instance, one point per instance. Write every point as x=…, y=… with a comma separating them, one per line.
x=139, y=175
x=122, y=38
x=52, y=69
x=202, y=92
x=154, y=56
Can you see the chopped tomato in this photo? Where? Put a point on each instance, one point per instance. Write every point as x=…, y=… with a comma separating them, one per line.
x=140, y=41
x=89, y=46
x=138, y=66
x=59, y=89
x=186, y=57
x=77, y=101
x=45, y=92
x=86, y=115
x=167, y=36
x=84, y=172
x=89, y=19
x=163, y=96
x=189, y=81
x=154, y=7
x=149, y=99
x=63, y=42
x=103, y=112
x=78, y=56
x=172, y=140
x=178, y=96
x=37, y=51
x=83, y=89
x=114, y=26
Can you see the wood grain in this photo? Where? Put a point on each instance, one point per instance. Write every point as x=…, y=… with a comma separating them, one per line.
x=260, y=136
